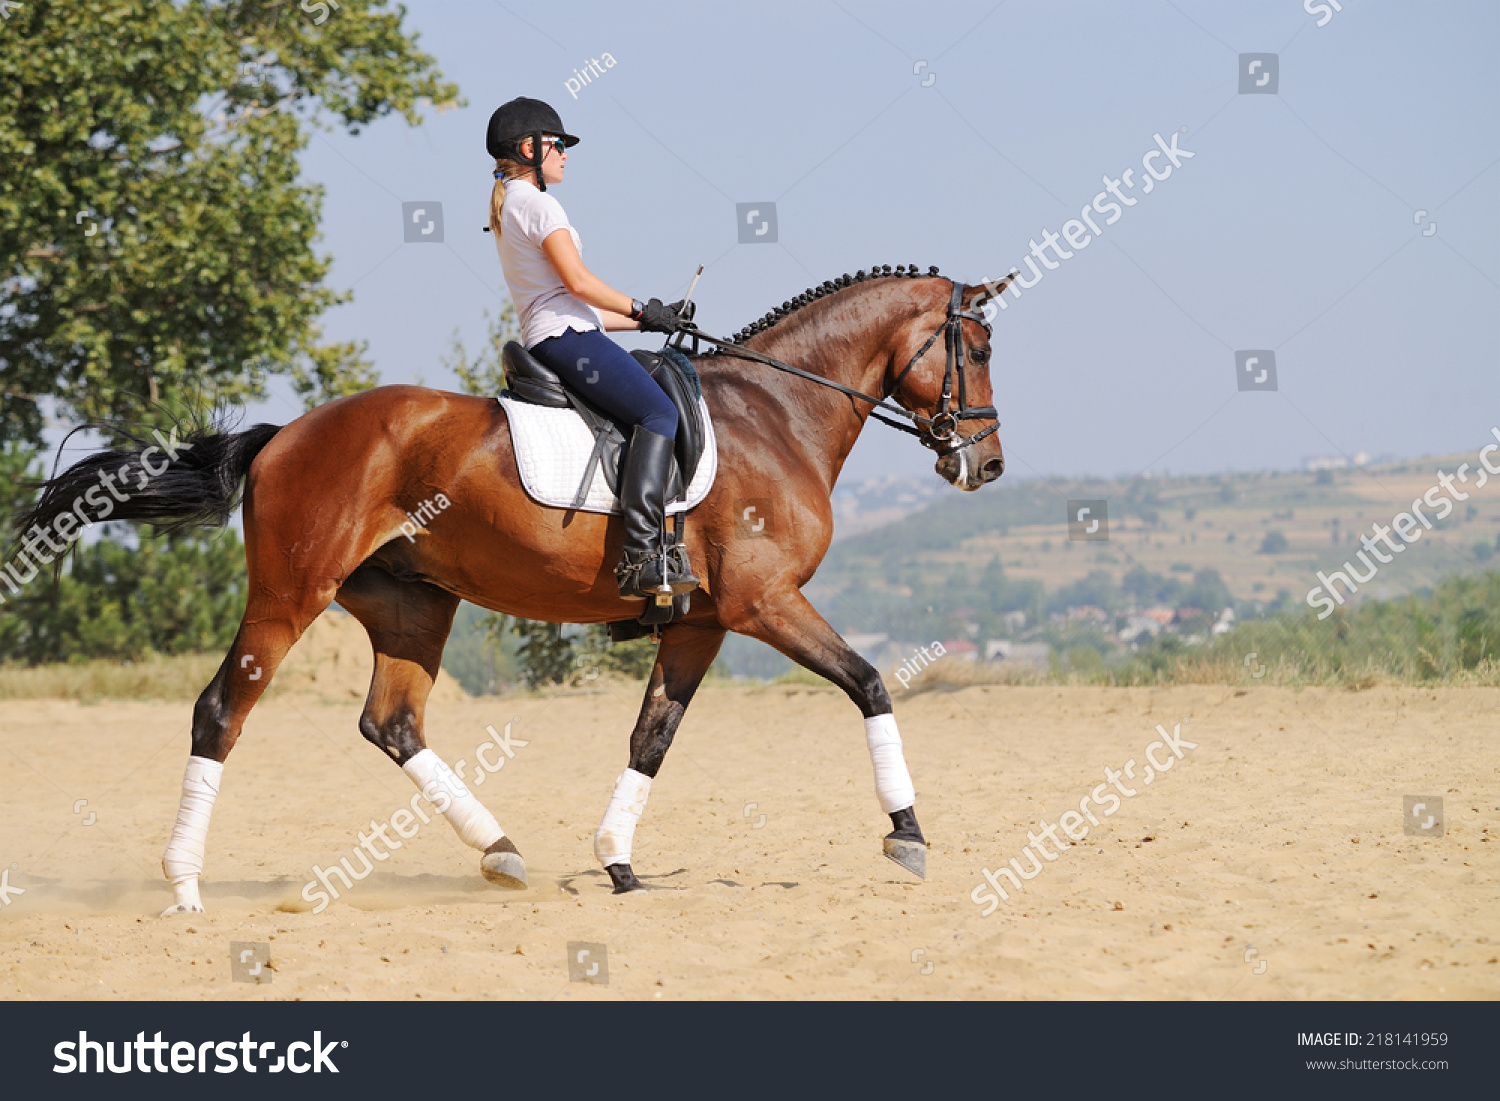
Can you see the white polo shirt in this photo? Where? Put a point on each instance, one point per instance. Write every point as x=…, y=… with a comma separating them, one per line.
x=543, y=304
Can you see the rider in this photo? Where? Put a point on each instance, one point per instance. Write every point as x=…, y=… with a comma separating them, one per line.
x=563, y=306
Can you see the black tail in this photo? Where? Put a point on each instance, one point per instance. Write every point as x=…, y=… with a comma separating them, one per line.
x=158, y=479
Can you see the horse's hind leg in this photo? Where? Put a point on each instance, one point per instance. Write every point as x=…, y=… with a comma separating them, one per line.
x=268, y=630
x=793, y=626
x=408, y=622
x=683, y=658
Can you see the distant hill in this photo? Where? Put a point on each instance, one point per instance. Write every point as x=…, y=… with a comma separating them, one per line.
x=955, y=566
x=916, y=561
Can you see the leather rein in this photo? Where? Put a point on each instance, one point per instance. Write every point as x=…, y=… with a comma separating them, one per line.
x=931, y=431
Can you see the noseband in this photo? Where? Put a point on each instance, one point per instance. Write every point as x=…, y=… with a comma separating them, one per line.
x=933, y=431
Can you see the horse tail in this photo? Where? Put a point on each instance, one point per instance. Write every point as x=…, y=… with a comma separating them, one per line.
x=164, y=481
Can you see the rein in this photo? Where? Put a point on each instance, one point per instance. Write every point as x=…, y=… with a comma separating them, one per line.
x=931, y=431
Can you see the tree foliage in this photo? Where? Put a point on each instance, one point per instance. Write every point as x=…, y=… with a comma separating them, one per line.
x=484, y=373
x=176, y=596
x=155, y=244
x=156, y=248
x=180, y=595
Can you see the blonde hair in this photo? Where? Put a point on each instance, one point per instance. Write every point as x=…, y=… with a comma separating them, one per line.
x=510, y=169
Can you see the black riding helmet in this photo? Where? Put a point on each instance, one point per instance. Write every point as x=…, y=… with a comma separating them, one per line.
x=524, y=118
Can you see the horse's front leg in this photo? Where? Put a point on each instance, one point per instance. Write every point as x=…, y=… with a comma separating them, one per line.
x=793, y=626
x=683, y=658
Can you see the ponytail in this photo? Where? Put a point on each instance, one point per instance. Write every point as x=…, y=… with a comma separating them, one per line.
x=497, y=202
x=506, y=169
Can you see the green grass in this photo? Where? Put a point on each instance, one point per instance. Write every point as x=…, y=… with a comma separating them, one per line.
x=176, y=679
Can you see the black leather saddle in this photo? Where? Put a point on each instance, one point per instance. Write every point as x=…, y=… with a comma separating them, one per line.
x=529, y=380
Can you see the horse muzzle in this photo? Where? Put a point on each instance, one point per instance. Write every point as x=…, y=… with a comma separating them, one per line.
x=967, y=471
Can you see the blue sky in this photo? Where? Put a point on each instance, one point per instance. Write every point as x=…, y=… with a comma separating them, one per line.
x=955, y=133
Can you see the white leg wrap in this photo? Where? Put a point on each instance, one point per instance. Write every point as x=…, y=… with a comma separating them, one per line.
x=893, y=786
x=613, y=839
x=183, y=860
x=441, y=787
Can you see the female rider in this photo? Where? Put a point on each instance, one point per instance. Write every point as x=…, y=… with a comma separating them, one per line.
x=563, y=307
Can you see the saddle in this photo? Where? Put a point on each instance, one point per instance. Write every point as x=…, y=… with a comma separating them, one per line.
x=531, y=381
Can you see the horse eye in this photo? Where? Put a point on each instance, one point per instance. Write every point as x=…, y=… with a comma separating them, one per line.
x=980, y=355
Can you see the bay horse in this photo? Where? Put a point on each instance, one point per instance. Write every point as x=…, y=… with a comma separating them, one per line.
x=326, y=497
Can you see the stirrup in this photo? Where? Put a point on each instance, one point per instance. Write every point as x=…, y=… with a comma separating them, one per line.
x=679, y=566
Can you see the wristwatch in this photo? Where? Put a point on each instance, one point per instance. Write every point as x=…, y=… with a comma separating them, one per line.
x=637, y=307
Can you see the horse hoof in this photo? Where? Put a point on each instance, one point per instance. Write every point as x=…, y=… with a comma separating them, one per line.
x=911, y=855
x=180, y=908
x=624, y=879
x=504, y=869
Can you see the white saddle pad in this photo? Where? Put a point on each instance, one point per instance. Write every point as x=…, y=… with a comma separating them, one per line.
x=552, y=449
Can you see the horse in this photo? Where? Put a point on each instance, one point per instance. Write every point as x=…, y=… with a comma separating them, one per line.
x=328, y=502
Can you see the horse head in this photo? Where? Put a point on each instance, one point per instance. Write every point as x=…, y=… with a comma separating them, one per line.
x=945, y=383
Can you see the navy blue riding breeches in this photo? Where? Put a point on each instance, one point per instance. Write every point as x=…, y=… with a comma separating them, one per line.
x=610, y=378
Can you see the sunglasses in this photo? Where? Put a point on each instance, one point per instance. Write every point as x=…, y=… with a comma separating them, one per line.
x=555, y=143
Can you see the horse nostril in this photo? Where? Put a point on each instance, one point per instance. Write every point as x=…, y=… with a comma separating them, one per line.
x=992, y=469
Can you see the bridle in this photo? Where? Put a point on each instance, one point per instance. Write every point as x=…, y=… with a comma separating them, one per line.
x=933, y=431
x=944, y=426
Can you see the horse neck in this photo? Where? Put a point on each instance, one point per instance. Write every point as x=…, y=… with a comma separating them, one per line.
x=856, y=353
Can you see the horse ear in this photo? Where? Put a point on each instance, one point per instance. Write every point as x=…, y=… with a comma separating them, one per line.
x=987, y=290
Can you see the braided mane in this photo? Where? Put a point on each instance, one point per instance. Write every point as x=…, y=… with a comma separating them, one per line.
x=812, y=294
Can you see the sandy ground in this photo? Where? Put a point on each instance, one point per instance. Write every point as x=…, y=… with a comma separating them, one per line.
x=1277, y=842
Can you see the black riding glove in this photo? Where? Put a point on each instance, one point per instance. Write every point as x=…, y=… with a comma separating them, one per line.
x=686, y=314
x=656, y=318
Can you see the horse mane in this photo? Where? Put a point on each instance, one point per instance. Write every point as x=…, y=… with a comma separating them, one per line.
x=812, y=294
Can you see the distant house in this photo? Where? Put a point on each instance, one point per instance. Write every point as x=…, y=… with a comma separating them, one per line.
x=1137, y=625
x=962, y=649
x=1334, y=462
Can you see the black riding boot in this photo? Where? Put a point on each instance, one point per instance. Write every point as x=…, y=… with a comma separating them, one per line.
x=643, y=489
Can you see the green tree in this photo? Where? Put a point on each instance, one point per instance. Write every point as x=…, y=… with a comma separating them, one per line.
x=1274, y=542
x=179, y=595
x=632, y=659
x=155, y=244
x=546, y=655
x=1207, y=592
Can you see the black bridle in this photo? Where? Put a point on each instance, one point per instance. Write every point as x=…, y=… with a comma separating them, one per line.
x=933, y=431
